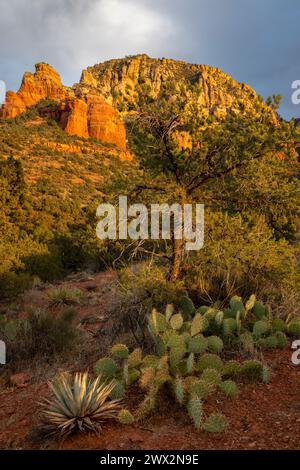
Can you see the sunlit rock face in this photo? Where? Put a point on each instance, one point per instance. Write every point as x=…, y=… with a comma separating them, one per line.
x=78, y=114
x=123, y=81
x=97, y=105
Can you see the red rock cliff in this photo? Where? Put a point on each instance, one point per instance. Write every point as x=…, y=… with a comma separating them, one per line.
x=86, y=116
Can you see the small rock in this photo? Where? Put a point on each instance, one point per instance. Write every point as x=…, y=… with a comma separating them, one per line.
x=19, y=380
x=91, y=288
x=252, y=445
x=137, y=437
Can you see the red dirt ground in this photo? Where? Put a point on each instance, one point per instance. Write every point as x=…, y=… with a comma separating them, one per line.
x=261, y=417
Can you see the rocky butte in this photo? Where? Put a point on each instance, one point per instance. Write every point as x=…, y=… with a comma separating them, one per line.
x=97, y=106
x=84, y=115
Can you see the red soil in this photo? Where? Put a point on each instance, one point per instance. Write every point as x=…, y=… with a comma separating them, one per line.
x=261, y=417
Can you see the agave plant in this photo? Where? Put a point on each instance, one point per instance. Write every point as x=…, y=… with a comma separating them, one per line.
x=79, y=403
x=64, y=296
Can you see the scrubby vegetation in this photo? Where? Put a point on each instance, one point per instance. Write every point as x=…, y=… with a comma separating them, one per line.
x=41, y=334
x=214, y=331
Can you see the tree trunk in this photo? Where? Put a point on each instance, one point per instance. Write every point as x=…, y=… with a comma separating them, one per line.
x=177, y=255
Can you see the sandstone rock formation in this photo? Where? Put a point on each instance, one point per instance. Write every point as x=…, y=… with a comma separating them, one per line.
x=44, y=83
x=78, y=114
x=91, y=108
x=104, y=123
x=73, y=117
x=122, y=81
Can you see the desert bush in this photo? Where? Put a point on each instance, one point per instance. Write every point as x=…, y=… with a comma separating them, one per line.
x=39, y=334
x=137, y=292
x=241, y=257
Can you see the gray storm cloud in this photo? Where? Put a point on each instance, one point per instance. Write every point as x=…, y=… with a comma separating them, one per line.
x=255, y=41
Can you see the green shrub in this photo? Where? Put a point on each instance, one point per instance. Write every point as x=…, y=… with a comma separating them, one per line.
x=281, y=339
x=41, y=333
x=293, y=327
x=279, y=325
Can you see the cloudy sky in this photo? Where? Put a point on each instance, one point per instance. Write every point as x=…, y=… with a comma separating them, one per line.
x=255, y=41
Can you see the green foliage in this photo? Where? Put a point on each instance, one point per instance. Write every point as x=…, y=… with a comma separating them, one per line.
x=215, y=423
x=265, y=375
x=259, y=310
x=125, y=417
x=229, y=388
x=209, y=361
x=271, y=342
x=133, y=376
x=64, y=296
x=252, y=369
x=190, y=363
x=176, y=321
x=247, y=342
x=40, y=334
x=199, y=324
x=281, y=339
x=260, y=328
x=120, y=351
x=157, y=323
x=231, y=369
x=237, y=306
x=197, y=344
x=201, y=388
x=195, y=411
x=118, y=392
x=106, y=367
x=250, y=303
x=187, y=307
x=150, y=361
x=229, y=326
x=279, y=325
x=178, y=360
x=147, y=406
x=215, y=344
x=135, y=358
x=293, y=327
x=179, y=390
x=212, y=376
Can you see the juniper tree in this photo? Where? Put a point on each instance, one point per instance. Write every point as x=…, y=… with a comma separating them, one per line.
x=242, y=163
